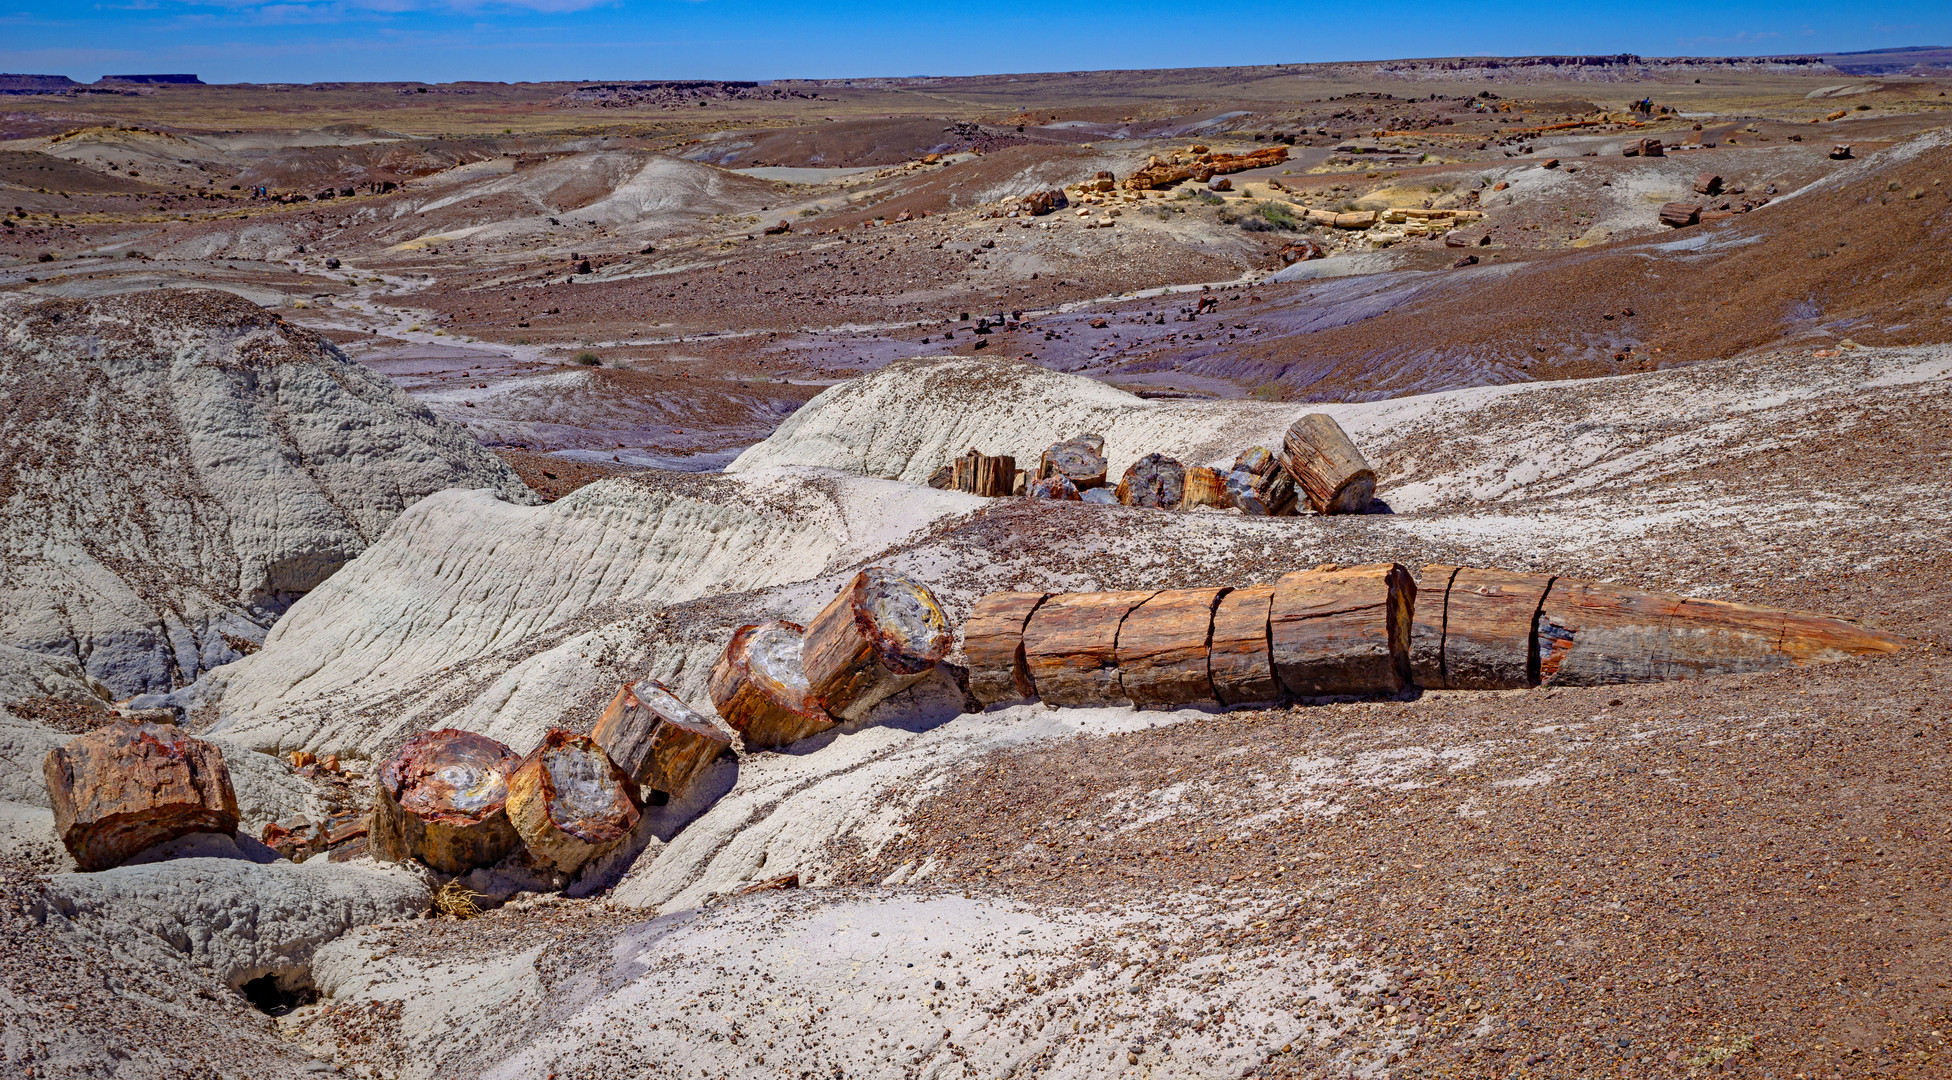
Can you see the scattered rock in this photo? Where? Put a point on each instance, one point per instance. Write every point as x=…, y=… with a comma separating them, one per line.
x=126, y=787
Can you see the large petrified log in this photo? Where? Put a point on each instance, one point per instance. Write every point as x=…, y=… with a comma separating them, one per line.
x=880, y=636
x=760, y=687
x=992, y=641
x=1474, y=629
x=1204, y=487
x=1339, y=630
x=569, y=802
x=1590, y=634
x=1201, y=165
x=983, y=474
x=1238, y=659
x=1070, y=646
x=441, y=799
x=656, y=739
x=1080, y=460
x=1327, y=467
x=121, y=789
x=1162, y=648
x=1155, y=481
x=1259, y=485
x=1680, y=214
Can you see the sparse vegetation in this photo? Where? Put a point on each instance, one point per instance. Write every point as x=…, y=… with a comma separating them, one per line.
x=588, y=359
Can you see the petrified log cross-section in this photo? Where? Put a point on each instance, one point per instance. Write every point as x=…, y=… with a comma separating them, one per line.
x=880, y=636
x=656, y=739
x=1327, y=467
x=1154, y=481
x=441, y=799
x=760, y=688
x=1342, y=630
x=1162, y=648
x=1071, y=647
x=1080, y=460
x=992, y=641
x=1476, y=629
x=1238, y=659
x=121, y=789
x=569, y=802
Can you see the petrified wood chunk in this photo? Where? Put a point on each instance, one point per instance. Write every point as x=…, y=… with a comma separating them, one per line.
x=1342, y=630
x=760, y=687
x=657, y=740
x=1680, y=214
x=1327, y=467
x=1708, y=184
x=1162, y=648
x=1056, y=488
x=877, y=638
x=441, y=799
x=981, y=474
x=1259, y=485
x=1204, y=487
x=569, y=802
x=1238, y=659
x=1475, y=629
x=121, y=789
x=992, y=640
x=1155, y=481
x=1071, y=646
x=1080, y=460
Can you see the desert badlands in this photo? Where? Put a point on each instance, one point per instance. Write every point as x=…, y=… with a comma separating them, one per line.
x=1407, y=569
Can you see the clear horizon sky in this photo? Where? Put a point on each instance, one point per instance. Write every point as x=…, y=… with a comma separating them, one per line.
x=522, y=40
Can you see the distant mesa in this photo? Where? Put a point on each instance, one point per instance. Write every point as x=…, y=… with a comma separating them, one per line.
x=183, y=80
x=61, y=84
x=35, y=84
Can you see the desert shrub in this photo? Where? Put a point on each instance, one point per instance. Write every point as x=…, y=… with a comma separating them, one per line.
x=1278, y=215
x=1269, y=392
x=1257, y=223
x=588, y=359
x=1209, y=198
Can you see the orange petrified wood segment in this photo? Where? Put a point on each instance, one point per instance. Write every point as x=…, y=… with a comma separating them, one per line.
x=879, y=636
x=1489, y=622
x=1238, y=659
x=1427, y=626
x=992, y=642
x=656, y=739
x=1162, y=648
x=441, y=799
x=1070, y=646
x=121, y=789
x=760, y=689
x=1343, y=630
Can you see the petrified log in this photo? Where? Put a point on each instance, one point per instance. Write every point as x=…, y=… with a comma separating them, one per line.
x=1020, y=482
x=1204, y=487
x=1338, y=630
x=660, y=742
x=1259, y=485
x=441, y=799
x=993, y=475
x=1591, y=634
x=992, y=640
x=1162, y=648
x=1680, y=214
x=121, y=789
x=1070, y=646
x=1708, y=184
x=1238, y=659
x=1059, y=488
x=1475, y=629
x=1080, y=460
x=877, y=638
x=1155, y=481
x=1327, y=467
x=760, y=689
x=569, y=802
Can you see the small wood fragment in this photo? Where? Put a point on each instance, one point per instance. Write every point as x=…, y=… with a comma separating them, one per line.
x=1162, y=648
x=1327, y=467
x=441, y=798
x=569, y=802
x=760, y=689
x=1070, y=645
x=881, y=635
x=1343, y=630
x=992, y=641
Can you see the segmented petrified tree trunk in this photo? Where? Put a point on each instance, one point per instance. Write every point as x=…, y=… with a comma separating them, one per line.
x=1162, y=648
x=656, y=739
x=1055, y=488
x=981, y=474
x=1154, y=481
x=992, y=641
x=1071, y=647
x=1476, y=629
x=1238, y=658
x=441, y=799
x=1339, y=630
x=1080, y=460
x=1327, y=467
x=1259, y=485
x=569, y=802
x=877, y=638
x=760, y=688
x=121, y=789
x=1204, y=487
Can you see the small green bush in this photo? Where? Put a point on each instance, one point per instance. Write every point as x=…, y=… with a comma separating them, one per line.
x=588, y=359
x=1269, y=392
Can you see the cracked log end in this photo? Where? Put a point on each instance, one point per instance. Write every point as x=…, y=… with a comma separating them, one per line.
x=1080, y=460
x=878, y=637
x=656, y=739
x=1154, y=481
x=441, y=799
x=760, y=688
x=1070, y=646
x=1327, y=467
x=124, y=788
x=1342, y=630
x=569, y=802
x=992, y=640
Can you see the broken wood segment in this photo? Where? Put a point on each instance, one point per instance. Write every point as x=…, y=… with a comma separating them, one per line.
x=992, y=641
x=1680, y=214
x=1204, y=487
x=1162, y=648
x=993, y=476
x=1070, y=646
x=1154, y=481
x=760, y=689
x=1427, y=626
x=1260, y=485
x=1327, y=467
x=1055, y=488
x=569, y=802
x=1488, y=621
x=1341, y=630
x=440, y=799
x=121, y=789
x=660, y=742
x=880, y=636
x=1080, y=460
x=1238, y=659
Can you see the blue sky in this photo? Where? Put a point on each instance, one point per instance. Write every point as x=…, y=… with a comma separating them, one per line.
x=446, y=40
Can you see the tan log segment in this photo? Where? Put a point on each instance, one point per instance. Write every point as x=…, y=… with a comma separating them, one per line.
x=1327, y=468
x=1205, y=487
x=121, y=789
x=1238, y=658
x=880, y=636
x=441, y=798
x=760, y=689
x=992, y=642
x=1476, y=629
x=1070, y=646
x=1080, y=460
x=1342, y=630
x=1162, y=648
x=656, y=739
x=569, y=802
x=1155, y=481
x=1427, y=626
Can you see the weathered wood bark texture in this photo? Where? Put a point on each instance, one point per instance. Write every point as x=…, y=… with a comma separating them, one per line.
x=569, y=802
x=1327, y=467
x=880, y=636
x=1239, y=660
x=121, y=789
x=1162, y=648
x=1259, y=485
x=660, y=742
x=1204, y=487
x=981, y=474
x=760, y=688
x=1081, y=460
x=441, y=798
x=992, y=641
x=1155, y=481
x=1343, y=630
x=1475, y=629
x=1071, y=647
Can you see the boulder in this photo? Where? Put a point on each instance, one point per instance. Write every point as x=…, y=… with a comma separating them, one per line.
x=126, y=787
